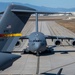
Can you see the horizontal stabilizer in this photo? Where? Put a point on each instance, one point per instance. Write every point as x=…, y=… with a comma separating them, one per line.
x=6, y=60
x=35, y=11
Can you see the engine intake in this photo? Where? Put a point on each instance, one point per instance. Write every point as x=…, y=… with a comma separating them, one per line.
x=18, y=43
x=57, y=42
x=73, y=43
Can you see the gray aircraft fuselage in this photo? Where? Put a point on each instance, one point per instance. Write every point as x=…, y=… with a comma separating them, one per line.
x=37, y=42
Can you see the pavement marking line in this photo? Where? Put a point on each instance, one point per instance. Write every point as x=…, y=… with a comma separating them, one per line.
x=38, y=64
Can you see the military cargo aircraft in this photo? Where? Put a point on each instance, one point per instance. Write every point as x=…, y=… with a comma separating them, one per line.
x=37, y=40
x=11, y=24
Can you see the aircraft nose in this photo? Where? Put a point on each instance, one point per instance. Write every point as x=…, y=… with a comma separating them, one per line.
x=37, y=46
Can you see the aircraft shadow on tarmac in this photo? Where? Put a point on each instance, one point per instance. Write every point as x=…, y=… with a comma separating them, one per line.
x=46, y=53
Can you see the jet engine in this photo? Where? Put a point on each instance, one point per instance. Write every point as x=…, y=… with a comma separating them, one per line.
x=73, y=42
x=18, y=43
x=57, y=42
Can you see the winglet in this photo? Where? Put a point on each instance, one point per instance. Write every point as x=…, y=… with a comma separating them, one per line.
x=59, y=73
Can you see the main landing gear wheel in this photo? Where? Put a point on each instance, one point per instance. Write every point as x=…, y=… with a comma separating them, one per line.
x=25, y=51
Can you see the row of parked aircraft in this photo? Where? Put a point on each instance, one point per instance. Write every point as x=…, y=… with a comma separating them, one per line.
x=12, y=22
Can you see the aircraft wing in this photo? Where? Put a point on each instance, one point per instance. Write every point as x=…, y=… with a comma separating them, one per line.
x=59, y=37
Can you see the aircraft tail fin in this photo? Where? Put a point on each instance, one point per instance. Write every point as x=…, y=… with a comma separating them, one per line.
x=12, y=22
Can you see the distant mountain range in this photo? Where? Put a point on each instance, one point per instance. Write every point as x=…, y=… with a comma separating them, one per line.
x=3, y=6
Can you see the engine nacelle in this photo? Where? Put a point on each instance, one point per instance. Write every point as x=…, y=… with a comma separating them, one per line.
x=57, y=42
x=73, y=42
x=18, y=43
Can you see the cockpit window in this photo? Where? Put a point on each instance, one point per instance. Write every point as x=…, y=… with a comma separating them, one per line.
x=36, y=40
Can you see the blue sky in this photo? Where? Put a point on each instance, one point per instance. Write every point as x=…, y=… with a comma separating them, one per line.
x=47, y=3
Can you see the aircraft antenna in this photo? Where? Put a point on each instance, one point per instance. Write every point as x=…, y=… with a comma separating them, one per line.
x=36, y=22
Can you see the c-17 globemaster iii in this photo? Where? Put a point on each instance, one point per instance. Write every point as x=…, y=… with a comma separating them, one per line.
x=12, y=23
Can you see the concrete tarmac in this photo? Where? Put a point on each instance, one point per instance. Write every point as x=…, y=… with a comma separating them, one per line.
x=49, y=64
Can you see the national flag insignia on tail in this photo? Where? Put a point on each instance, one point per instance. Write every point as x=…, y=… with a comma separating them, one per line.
x=9, y=27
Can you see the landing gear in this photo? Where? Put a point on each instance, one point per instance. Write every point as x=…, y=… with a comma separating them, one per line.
x=25, y=51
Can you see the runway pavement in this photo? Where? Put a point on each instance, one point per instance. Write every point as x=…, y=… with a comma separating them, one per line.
x=49, y=64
